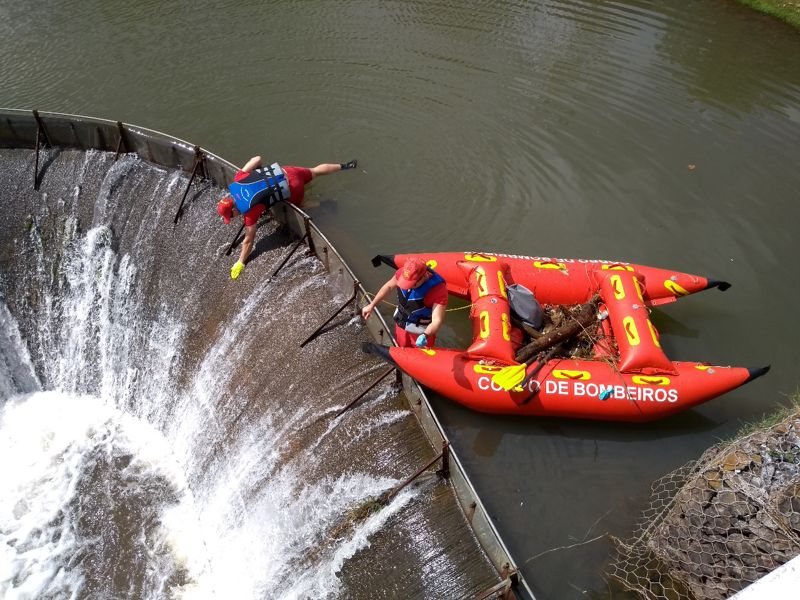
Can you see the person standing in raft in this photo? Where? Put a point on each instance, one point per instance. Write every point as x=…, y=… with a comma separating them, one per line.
x=256, y=188
x=421, y=303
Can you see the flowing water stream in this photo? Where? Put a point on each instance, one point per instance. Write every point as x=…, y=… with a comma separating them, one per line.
x=161, y=438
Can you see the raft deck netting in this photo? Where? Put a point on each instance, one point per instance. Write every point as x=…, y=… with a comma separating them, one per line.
x=19, y=130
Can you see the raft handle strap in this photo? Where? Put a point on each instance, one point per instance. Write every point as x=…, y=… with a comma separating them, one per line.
x=273, y=188
x=382, y=258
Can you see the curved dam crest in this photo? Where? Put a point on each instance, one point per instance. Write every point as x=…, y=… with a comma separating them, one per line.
x=165, y=435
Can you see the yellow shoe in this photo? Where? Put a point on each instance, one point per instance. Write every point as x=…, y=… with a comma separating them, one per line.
x=236, y=269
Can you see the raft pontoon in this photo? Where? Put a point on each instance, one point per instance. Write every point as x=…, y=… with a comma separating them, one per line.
x=625, y=375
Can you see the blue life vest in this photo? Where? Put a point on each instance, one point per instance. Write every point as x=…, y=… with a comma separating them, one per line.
x=411, y=308
x=261, y=186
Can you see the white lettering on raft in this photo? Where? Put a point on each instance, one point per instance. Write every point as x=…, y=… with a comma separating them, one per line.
x=598, y=261
x=618, y=392
x=485, y=384
x=592, y=390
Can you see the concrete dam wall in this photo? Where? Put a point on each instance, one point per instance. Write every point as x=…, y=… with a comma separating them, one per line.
x=167, y=432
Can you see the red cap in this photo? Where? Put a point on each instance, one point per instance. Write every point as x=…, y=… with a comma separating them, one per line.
x=225, y=208
x=410, y=273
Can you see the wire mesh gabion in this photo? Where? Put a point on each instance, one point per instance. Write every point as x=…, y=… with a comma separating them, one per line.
x=716, y=525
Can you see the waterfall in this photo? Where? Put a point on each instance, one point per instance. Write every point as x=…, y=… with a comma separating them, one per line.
x=158, y=439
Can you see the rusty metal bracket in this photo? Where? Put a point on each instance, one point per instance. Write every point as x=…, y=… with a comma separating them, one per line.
x=121, y=141
x=36, y=163
x=444, y=472
x=502, y=589
x=198, y=159
x=311, y=246
x=386, y=497
x=288, y=256
x=40, y=129
x=326, y=259
x=364, y=393
x=334, y=315
x=350, y=405
x=234, y=243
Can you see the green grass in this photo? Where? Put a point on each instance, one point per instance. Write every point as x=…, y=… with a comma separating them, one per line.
x=785, y=10
x=770, y=419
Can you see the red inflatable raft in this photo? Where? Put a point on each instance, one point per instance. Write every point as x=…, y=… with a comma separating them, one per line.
x=630, y=379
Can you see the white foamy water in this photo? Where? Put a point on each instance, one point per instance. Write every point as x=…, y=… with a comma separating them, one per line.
x=105, y=473
x=48, y=441
x=226, y=549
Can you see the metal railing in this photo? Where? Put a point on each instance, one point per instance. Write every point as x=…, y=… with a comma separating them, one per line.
x=32, y=129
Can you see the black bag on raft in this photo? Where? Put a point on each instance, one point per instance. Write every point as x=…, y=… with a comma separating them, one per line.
x=524, y=306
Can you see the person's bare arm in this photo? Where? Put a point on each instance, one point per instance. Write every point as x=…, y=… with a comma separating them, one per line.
x=247, y=244
x=385, y=289
x=437, y=318
x=251, y=164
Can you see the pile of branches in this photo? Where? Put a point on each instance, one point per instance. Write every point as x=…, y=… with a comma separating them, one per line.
x=573, y=330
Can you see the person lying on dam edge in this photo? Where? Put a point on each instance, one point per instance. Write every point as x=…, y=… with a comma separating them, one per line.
x=256, y=188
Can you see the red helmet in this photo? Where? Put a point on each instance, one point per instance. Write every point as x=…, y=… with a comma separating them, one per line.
x=410, y=273
x=225, y=208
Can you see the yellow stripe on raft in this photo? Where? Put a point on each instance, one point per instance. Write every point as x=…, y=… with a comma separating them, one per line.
x=576, y=375
x=630, y=331
x=540, y=264
x=502, y=283
x=487, y=369
x=616, y=285
x=675, y=288
x=616, y=268
x=484, y=321
x=480, y=258
x=480, y=279
x=642, y=380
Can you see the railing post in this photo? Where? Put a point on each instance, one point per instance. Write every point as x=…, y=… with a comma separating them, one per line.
x=386, y=497
x=311, y=246
x=445, y=470
x=288, y=256
x=197, y=159
x=325, y=259
x=39, y=131
x=332, y=317
x=40, y=123
x=364, y=393
x=121, y=143
x=36, y=162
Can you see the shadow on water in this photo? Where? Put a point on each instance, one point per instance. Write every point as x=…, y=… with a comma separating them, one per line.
x=490, y=429
x=667, y=324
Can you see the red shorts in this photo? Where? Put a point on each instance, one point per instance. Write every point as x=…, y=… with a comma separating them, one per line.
x=406, y=339
x=298, y=177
